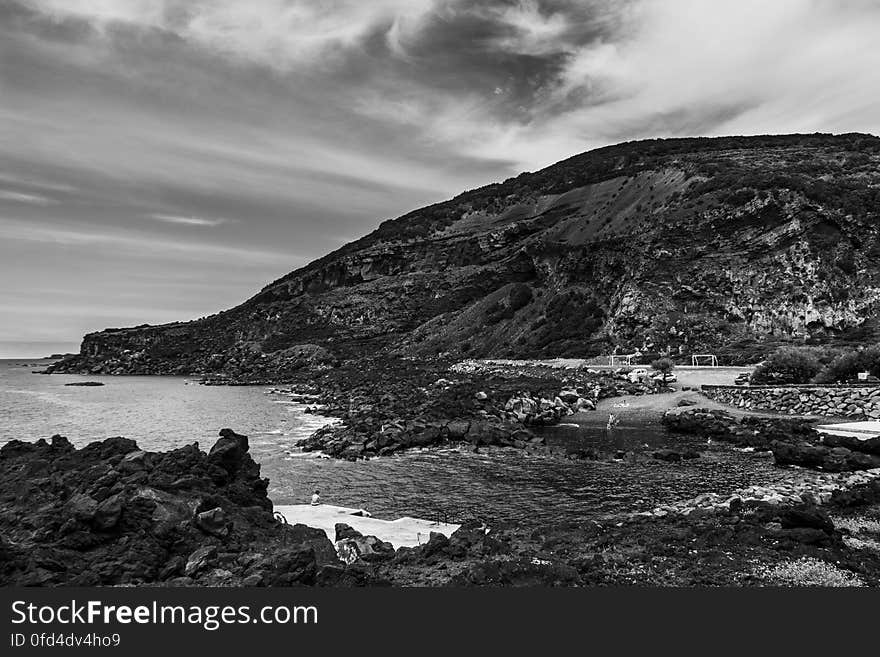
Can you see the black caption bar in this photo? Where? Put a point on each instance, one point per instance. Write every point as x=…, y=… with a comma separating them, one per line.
x=133, y=621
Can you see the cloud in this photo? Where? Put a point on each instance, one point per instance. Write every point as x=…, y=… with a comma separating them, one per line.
x=35, y=183
x=280, y=33
x=785, y=66
x=187, y=220
x=139, y=244
x=297, y=124
x=528, y=82
x=18, y=197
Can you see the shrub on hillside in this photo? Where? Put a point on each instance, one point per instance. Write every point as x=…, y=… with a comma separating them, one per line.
x=847, y=365
x=788, y=365
x=519, y=296
x=571, y=319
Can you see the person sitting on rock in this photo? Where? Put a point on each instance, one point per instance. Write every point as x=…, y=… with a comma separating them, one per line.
x=316, y=497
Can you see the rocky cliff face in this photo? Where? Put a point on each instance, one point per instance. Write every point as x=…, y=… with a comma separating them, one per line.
x=729, y=246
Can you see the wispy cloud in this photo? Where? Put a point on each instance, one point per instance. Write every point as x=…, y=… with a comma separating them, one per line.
x=20, y=181
x=138, y=244
x=188, y=220
x=19, y=197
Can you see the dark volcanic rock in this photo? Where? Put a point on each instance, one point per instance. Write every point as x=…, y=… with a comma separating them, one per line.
x=392, y=404
x=70, y=517
x=674, y=456
x=751, y=431
x=112, y=514
x=344, y=531
x=821, y=457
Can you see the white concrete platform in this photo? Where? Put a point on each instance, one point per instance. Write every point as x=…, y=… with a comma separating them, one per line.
x=403, y=532
x=865, y=430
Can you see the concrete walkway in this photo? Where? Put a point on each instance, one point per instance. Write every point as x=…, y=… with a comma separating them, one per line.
x=403, y=532
x=864, y=430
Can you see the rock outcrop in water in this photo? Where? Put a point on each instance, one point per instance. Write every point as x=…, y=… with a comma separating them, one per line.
x=731, y=245
x=388, y=405
x=754, y=431
x=793, y=441
x=113, y=514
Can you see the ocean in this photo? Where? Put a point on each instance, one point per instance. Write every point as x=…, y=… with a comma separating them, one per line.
x=163, y=412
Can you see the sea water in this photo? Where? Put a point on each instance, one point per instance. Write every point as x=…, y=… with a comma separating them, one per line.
x=163, y=412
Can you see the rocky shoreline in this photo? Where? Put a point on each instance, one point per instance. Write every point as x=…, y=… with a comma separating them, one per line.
x=390, y=405
x=792, y=441
x=112, y=514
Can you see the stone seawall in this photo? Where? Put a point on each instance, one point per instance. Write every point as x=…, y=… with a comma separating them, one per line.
x=856, y=401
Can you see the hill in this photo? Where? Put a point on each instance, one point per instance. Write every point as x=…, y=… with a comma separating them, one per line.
x=728, y=245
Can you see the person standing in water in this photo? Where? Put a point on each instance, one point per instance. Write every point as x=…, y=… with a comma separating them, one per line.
x=612, y=421
x=316, y=497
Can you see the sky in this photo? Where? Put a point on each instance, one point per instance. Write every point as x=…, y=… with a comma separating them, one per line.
x=162, y=160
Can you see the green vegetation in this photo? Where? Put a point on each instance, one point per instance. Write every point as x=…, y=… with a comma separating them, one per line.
x=788, y=365
x=570, y=320
x=518, y=297
x=798, y=365
x=663, y=365
x=847, y=365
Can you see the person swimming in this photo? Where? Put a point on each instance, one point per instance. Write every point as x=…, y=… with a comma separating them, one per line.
x=316, y=497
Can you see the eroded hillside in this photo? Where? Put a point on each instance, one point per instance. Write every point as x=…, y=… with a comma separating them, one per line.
x=729, y=245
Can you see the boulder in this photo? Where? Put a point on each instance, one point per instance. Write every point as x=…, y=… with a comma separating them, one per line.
x=325, y=551
x=108, y=513
x=585, y=405
x=344, y=531
x=294, y=566
x=229, y=451
x=569, y=396
x=820, y=457
x=199, y=560
x=82, y=507
x=364, y=548
x=458, y=429
x=214, y=521
x=674, y=456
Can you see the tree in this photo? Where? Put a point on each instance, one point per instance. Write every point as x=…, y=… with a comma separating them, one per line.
x=846, y=366
x=788, y=365
x=663, y=365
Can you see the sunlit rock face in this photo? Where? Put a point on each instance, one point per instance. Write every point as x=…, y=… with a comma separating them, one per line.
x=729, y=245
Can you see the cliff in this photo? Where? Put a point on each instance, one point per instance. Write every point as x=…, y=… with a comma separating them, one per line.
x=730, y=246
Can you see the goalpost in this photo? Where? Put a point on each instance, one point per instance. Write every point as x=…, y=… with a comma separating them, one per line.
x=620, y=360
x=704, y=360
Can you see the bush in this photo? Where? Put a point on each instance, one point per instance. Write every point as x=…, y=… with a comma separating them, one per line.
x=788, y=365
x=846, y=366
x=520, y=295
x=663, y=365
x=571, y=318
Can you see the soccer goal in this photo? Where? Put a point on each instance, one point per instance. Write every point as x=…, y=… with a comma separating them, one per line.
x=704, y=360
x=618, y=360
